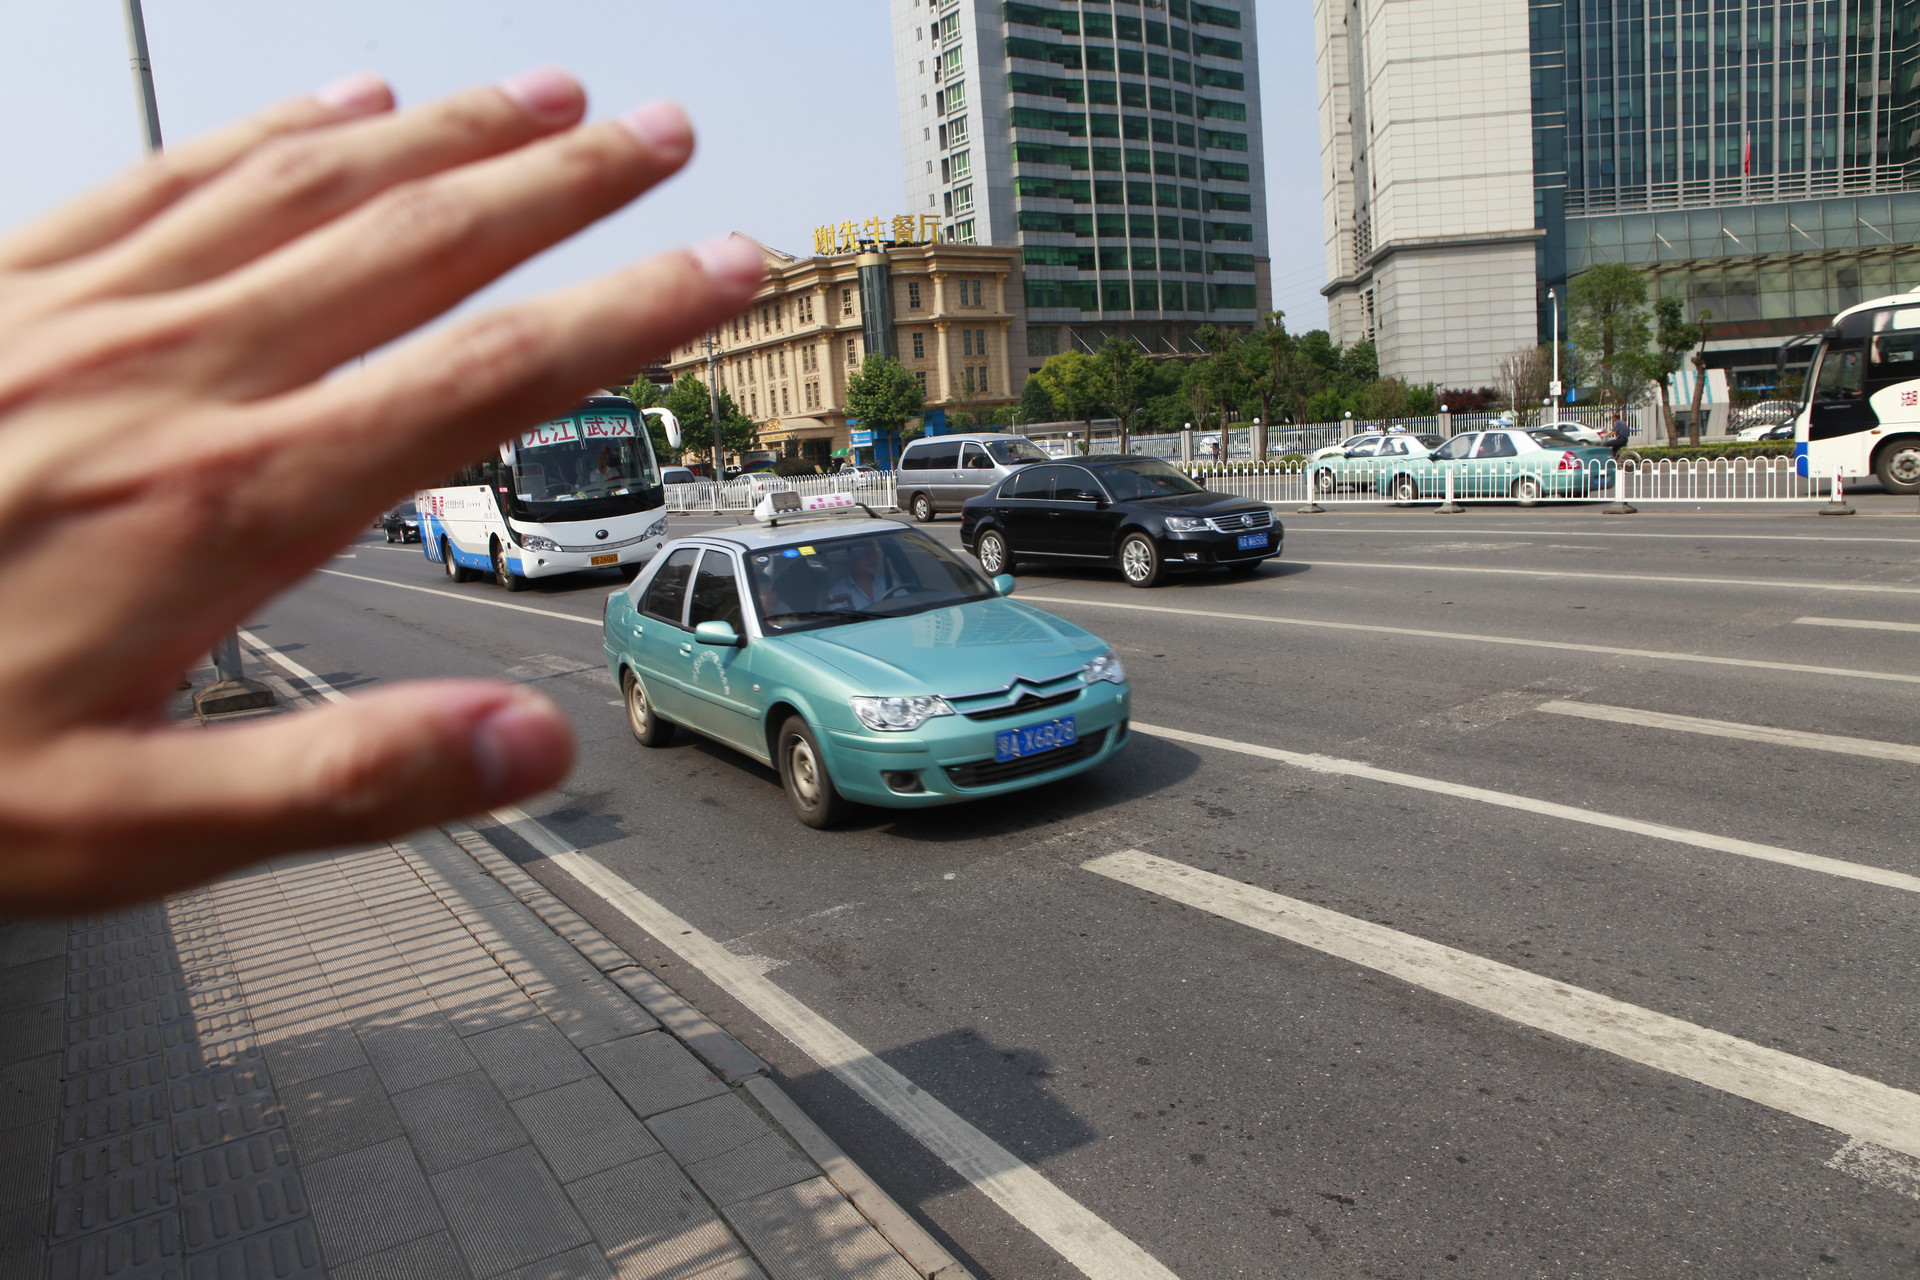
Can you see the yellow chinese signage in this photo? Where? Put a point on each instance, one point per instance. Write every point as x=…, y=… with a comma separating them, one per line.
x=848, y=236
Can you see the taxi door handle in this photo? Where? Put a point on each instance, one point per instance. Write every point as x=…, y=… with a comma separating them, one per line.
x=686, y=651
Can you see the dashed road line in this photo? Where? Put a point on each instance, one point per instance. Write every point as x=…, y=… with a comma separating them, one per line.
x=1662, y=578
x=1864, y=624
x=1548, y=808
x=1711, y=659
x=1731, y=729
x=455, y=595
x=1863, y=1109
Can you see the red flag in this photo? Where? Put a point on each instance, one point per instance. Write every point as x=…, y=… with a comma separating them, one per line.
x=1746, y=158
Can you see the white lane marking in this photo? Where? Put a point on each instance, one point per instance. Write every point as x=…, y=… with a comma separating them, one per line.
x=1711, y=659
x=344, y=555
x=1840, y=1100
x=1585, y=533
x=1666, y=579
x=1872, y=1163
x=1547, y=808
x=293, y=668
x=1068, y=1227
x=1865, y=624
x=1731, y=729
x=455, y=595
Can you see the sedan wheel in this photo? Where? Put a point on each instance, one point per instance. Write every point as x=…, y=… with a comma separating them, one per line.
x=922, y=508
x=1139, y=560
x=804, y=774
x=647, y=726
x=992, y=551
x=1527, y=491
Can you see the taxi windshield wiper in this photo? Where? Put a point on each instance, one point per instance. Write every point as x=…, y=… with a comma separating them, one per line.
x=855, y=615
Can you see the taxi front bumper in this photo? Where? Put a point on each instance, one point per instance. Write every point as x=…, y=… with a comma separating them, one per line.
x=950, y=759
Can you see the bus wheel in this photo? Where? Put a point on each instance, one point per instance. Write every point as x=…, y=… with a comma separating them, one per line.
x=503, y=573
x=1898, y=466
x=456, y=572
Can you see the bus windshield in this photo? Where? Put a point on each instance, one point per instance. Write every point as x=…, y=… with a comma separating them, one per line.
x=593, y=463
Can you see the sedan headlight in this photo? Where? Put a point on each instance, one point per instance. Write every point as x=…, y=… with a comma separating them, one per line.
x=1186, y=524
x=658, y=529
x=1105, y=667
x=898, y=715
x=539, y=544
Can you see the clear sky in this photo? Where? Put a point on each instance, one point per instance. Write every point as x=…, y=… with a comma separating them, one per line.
x=794, y=104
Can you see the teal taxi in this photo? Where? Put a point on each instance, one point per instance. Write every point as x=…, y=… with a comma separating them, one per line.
x=864, y=661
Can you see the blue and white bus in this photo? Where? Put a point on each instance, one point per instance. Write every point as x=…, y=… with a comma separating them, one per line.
x=579, y=492
x=1861, y=416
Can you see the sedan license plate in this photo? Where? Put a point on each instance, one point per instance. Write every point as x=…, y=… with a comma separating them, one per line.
x=609, y=558
x=1249, y=541
x=1032, y=739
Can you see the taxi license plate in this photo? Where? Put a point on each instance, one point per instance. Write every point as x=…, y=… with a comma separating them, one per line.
x=610, y=558
x=1032, y=739
x=1248, y=541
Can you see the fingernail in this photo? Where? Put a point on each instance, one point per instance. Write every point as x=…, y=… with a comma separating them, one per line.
x=547, y=93
x=518, y=747
x=662, y=126
x=732, y=260
x=355, y=95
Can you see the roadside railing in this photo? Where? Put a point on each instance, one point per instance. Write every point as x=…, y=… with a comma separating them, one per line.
x=736, y=497
x=1514, y=480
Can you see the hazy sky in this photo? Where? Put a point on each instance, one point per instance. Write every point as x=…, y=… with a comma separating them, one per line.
x=794, y=104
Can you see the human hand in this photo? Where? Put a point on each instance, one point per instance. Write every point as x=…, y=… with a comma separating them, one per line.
x=177, y=454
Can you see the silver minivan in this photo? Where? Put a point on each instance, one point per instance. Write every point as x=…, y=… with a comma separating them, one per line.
x=938, y=473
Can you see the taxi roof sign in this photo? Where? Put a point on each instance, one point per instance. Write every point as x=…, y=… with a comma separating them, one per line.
x=786, y=504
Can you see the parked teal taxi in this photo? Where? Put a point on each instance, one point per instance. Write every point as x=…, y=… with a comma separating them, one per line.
x=863, y=660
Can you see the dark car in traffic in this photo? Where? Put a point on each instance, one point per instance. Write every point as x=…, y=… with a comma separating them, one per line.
x=1137, y=514
x=402, y=523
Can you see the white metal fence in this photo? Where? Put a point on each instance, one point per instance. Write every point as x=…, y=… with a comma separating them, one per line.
x=1656, y=480
x=738, y=496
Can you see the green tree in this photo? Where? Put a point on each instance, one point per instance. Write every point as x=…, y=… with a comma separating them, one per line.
x=1361, y=363
x=1073, y=382
x=688, y=401
x=1325, y=406
x=646, y=396
x=1035, y=404
x=1385, y=398
x=1608, y=306
x=883, y=395
x=1674, y=335
x=1705, y=325
x=1282, y=375
x=1125, y=377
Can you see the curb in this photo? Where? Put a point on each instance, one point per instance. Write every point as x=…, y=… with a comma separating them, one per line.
x=732, y=1061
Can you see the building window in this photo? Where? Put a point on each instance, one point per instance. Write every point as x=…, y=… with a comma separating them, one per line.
x=956, y=131
x=783, y=364
x=963, y=231
x=853, y=352
x=963, y=199
x=913, y=294
x=966, y=342
x=962, y=164
x=922, y=376
x=919, y=345
x=786, y=405
x=846, y=302
x=753, y=404
x=976, y=293
x=969, y=379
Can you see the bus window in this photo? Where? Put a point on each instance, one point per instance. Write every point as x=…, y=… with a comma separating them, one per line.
x=1896, y=347
x=1839, y=373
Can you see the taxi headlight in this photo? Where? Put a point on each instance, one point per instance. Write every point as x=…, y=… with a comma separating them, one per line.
x=1105, y=667
x=539, y=544
x=1186, y=524
x=898, y=715
x=658, y=529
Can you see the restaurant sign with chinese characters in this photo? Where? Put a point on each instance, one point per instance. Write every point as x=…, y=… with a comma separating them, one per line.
x=848, y=236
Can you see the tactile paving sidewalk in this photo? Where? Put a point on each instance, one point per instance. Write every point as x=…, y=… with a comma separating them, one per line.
x=376, y=1063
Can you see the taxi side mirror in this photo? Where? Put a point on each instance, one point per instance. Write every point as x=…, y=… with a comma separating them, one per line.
x=718, y=633
x=1003, y=584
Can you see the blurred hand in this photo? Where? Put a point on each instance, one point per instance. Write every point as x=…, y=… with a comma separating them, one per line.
x=176, y=454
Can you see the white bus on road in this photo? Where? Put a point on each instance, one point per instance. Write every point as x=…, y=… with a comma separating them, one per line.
x=1861, y=416
x=580, y=492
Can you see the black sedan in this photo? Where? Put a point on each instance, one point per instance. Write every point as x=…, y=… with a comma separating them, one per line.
x=1137, y=514
x=402, y=523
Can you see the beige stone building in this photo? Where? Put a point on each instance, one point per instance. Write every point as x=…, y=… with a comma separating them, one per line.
x=946, y=311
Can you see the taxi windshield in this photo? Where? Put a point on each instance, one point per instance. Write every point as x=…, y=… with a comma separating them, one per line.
x=829, y=582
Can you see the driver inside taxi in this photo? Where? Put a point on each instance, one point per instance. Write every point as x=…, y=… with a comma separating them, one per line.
x=867, y=580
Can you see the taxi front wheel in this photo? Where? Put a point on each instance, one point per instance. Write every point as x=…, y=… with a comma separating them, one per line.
x=803, y=772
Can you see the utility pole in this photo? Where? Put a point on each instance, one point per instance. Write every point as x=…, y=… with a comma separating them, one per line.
x=713, y=411
x=231, y=690
x=1553, y=392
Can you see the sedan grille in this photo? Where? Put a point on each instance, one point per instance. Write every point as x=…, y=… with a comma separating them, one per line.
x=1028, y=702
x=1241, y=521
x=985, y=773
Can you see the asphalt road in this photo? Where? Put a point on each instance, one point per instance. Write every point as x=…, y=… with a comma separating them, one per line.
x=1239, y=1104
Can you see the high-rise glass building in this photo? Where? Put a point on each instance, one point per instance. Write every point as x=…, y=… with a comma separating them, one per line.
x=1759, y=159
x=1117, y=142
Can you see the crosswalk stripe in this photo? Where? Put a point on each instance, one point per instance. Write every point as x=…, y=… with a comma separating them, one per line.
x=1854, y=1105
x=1731, y=729
x=1548, y=808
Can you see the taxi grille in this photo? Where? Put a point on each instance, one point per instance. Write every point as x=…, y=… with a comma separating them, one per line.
x=1242, y=521
x=985, y=773
x=1030, y=702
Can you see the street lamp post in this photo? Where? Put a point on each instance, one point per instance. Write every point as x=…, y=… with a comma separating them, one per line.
x=713, y=411
x=142, y=77
x=1554, y=391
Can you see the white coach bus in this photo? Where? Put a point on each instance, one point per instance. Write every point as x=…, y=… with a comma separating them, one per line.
x=579, y=492
x=1861, y=416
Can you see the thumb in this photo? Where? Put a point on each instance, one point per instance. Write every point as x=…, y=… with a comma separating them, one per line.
x=125, y=815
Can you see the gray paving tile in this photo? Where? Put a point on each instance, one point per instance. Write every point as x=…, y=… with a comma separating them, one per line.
x=583, y=1128
x=528, y=1057
x=434, y=1257
x=740, y=1268
x=810, y=1232
x=25, y=941
x=335, y=1114
x=32, y=1031
x=105, y=1184
x=652, y=1223
x=239, y=1189
x=23, y=1249
x=221, y=1106
x=34, y=983
x=318, y=1046
x=481, y=999
x=654, y=1073
x=584, y=1263
x=145, y=1249
x=370, y=1200
x=415, y=1052
x=593, y=1011
x=26, y=1153
x=290, y=1252
x=29, y=1090
x=457, y=1121
x=765, y=1164
x=707, y=1129
x=507, y=1211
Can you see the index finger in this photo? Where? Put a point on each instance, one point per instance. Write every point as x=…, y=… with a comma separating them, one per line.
x=107, y=213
